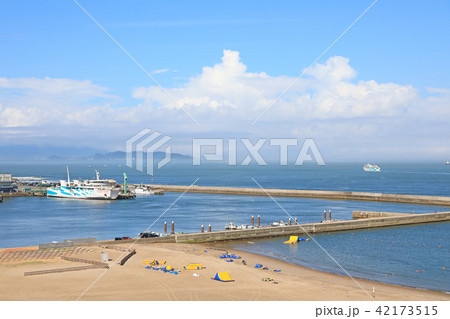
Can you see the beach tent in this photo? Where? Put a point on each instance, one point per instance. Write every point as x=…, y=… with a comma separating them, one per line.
x=154, y=262
x=193, y=267
x=222, y=276
x=292, y=240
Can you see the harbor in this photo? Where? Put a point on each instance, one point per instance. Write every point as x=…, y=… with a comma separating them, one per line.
x=199, y=218
x=95, y=189
x=87, y=258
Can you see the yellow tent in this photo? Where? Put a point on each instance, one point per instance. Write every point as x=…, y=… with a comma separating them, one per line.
x=223, y=276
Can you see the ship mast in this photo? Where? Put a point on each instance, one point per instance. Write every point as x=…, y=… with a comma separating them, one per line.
x=68, y=177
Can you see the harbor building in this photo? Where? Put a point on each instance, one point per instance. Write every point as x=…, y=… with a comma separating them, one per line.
x=6, y=183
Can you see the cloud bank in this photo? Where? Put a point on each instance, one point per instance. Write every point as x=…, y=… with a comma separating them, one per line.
x=328, y=103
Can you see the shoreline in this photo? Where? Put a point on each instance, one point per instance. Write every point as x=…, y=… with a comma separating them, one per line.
x=133, y=282
x=356, y=278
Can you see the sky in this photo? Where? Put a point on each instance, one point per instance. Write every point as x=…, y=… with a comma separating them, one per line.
x=207, y=69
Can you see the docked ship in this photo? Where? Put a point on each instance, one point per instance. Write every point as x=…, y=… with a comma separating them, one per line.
x=87, y=189
x=371, y=168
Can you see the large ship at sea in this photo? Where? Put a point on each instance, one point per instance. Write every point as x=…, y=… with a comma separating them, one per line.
x=87, y=189
x=371, y=168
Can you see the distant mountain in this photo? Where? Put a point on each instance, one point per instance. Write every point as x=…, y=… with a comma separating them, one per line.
x=52, y=153
x=36, y=153
x=119, y=155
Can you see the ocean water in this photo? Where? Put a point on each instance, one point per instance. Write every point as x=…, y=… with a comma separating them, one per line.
x=416, y=256
x=374, y=254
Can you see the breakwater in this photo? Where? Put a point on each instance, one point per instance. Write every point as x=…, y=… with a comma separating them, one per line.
x=329, y=195
x=369, y=214
x=301, y=229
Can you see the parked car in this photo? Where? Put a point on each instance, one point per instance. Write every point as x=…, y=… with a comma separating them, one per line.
x=122, y=238
x=148, y=234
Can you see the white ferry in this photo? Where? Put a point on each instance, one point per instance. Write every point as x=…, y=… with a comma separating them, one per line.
x=88, y=189
x=371, y=168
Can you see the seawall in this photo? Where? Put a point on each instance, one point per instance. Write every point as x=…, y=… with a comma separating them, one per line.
x=301, y=229
x=356, y=214
x=331, y=195
x=315, y=228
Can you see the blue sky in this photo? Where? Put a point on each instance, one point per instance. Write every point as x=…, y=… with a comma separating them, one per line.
x=59, y=72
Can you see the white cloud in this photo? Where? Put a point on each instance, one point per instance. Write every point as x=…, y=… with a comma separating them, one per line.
x=32, y=101
x=160, y=71
x=329, y=104
x=326, y=92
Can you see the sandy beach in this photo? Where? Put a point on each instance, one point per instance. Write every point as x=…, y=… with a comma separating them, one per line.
x=133, y=281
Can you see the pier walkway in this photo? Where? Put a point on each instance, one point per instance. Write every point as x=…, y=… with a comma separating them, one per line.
x=301, y=229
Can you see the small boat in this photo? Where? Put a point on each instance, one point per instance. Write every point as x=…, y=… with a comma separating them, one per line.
x=244, y=226
x=143, y=190
x=447, y=163
x=278, y=223
x=230, y=226
x=371, y=168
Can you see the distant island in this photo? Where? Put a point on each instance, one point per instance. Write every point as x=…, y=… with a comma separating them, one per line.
x=52, y=153
x=119, y=155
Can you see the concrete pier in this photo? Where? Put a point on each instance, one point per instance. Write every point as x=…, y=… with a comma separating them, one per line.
x=298, y=230
x=359, y=214
x=314, y=228
x=331, y=195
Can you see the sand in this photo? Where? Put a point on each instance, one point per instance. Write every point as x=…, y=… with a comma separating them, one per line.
x=133, y=282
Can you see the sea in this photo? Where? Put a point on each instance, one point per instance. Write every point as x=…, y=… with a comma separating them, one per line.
x=415, y=256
